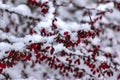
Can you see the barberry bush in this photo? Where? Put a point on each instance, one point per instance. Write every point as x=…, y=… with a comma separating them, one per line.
x=60, y=39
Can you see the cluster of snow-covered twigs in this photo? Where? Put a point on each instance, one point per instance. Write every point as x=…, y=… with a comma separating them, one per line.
x=59, y=39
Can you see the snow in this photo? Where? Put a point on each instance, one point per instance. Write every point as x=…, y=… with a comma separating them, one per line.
x=101, y=58
x=4, y=47
x=103, y=7
x=72, y=26
x=15, y=18
x=3, y=6
x=95, y=41
x=18, y=46
x=30, y=78
x=58, y=47
x=22, y=9
x=68, y=19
